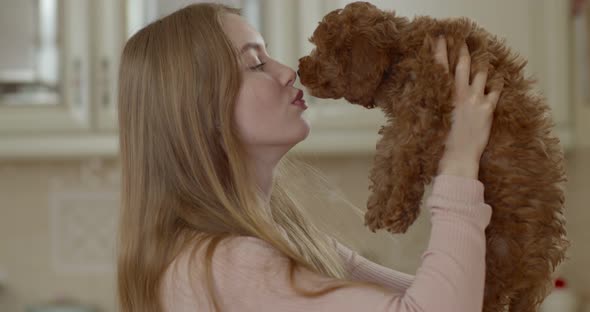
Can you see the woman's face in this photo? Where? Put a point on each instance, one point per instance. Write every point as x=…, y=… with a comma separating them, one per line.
x=266, y=117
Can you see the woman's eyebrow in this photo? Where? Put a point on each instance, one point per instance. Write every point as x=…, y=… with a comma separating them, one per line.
x=252, y=45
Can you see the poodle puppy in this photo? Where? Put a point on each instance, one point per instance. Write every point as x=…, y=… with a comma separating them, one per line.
x=374, y=58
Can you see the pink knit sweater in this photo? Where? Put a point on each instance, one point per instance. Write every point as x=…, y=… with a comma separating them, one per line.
x=250, y=275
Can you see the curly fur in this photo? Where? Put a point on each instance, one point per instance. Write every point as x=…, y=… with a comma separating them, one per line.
x=374, y=58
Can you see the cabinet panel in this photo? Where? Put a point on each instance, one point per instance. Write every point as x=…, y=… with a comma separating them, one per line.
x=110, y=36
x=536, y=29
x=71, y=111
x=119, y=20
x=91, y=36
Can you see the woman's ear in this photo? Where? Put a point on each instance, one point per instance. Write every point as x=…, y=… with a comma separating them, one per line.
x=367, y=65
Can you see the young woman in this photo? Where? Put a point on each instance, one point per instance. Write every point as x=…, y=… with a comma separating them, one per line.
x=206, y=116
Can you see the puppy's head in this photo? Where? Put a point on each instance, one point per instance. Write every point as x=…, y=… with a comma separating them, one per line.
x=354, y=48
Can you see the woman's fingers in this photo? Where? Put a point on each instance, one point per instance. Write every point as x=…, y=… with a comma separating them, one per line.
x=496, y=85
x=479, y=82
x=465, y=88
x=494, y=95
x=462, y=70
x=440, y=54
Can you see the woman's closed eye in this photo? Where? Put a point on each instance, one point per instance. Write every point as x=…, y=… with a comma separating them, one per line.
x=258, y=67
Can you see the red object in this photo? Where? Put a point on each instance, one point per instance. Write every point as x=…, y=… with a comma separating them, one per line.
x=560, y=283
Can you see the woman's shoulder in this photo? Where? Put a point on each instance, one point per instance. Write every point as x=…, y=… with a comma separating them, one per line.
x=235, y=250
x=242, y=259
x=242, y=247
x=238, y=253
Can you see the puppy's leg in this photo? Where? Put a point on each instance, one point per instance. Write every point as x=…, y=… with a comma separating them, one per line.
x=396, y=178
x=381, y=179
x=395, y=201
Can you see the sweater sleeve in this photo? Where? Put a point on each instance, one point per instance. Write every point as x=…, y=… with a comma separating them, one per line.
x=363, y=269
x=462, y=247
x=250, y=275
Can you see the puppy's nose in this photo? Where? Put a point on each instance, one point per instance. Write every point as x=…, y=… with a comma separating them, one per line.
x=298, y=74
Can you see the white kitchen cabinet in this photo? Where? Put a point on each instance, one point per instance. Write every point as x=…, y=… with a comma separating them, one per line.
x=51, y=84
x=581, y=74
x=110, y=33
x=537, y=29
x=337, y=128
x=45, y=68
x=118, y=21
x=80, y=120
x=83, y=119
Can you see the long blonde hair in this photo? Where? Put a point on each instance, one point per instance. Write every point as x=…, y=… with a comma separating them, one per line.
x=184, y=177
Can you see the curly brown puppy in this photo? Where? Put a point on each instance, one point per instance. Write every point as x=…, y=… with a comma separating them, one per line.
x=375, y=58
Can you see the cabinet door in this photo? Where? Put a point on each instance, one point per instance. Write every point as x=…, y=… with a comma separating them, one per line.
x=44, y=72
x=537, y=29
x=337, y=127
x=581, y=74
x=110, y=35
x=119, y=20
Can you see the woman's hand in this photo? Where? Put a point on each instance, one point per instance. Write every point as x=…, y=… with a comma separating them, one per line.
x=472, y=116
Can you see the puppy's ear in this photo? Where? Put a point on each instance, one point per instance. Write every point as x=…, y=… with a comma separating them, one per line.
x=367, y=66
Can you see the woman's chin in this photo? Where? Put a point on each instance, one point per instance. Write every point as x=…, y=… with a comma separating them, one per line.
x=300, y=135
x=306, y=129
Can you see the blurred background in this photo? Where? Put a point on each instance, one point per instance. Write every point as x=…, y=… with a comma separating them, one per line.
x=59, y=170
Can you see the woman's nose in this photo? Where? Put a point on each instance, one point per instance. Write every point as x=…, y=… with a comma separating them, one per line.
x=289, y=76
